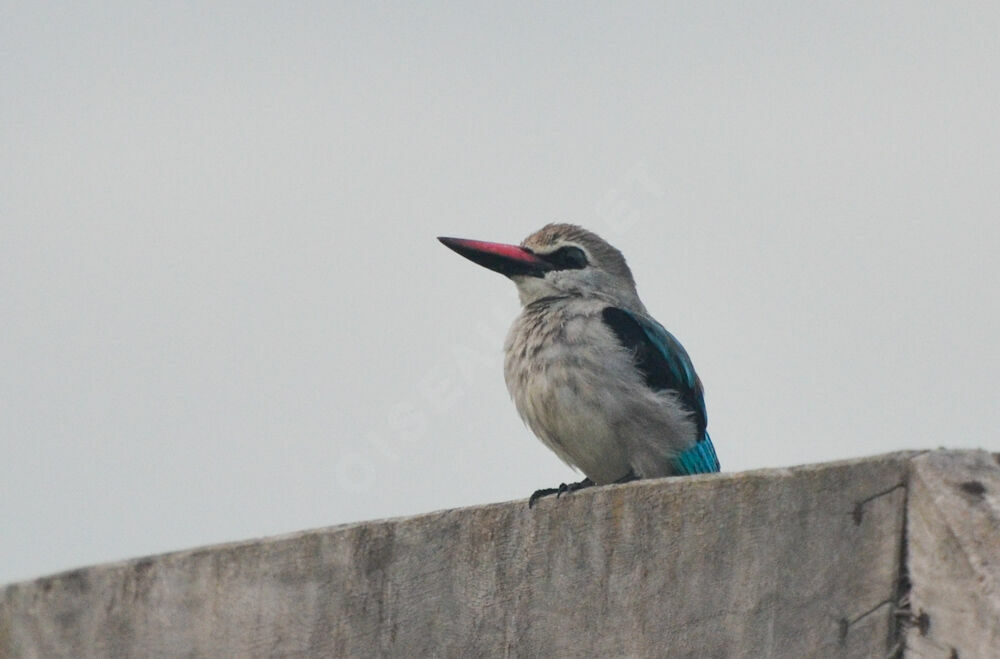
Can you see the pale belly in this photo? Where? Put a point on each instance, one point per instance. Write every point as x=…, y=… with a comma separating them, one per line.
x=575, y=416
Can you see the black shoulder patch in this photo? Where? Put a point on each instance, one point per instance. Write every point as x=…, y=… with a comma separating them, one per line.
x=661, y=370
x=648, y=358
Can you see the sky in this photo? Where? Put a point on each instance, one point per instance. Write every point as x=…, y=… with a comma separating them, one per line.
x=224, y=313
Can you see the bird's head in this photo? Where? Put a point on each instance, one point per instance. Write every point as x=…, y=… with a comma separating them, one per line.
x=557, y=260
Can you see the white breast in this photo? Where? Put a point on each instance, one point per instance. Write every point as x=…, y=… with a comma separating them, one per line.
x=567, y=375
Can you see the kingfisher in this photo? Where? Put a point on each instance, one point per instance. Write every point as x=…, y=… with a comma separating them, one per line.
x=595, y=377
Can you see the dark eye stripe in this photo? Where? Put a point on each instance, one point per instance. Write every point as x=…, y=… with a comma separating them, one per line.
x=569, y=257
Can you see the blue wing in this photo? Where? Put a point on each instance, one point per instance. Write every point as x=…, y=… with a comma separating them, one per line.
x=665, y=365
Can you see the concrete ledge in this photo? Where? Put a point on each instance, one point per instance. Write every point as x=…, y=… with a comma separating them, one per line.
x=785, y=562
x=954, y=555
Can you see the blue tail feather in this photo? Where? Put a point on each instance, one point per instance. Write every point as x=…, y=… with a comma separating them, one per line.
x=699, y=459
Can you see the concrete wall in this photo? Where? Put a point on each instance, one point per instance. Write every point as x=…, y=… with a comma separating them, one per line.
x=803, y=562
x=954, y=555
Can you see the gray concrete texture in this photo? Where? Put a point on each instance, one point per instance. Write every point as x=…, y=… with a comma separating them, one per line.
x=813, y=561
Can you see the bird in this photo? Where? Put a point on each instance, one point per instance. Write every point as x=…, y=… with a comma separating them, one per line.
x=600, y=382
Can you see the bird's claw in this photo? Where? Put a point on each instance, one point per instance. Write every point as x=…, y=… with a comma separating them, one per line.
x=538, y=494
x=558, y=491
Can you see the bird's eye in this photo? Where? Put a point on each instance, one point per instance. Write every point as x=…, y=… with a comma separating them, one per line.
x=569, y=257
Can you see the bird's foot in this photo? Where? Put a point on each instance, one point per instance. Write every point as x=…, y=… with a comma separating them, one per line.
x=573, y=487
x=559, y=491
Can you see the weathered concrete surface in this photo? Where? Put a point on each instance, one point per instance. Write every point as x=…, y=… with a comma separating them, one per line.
x=801, y=562
x=954, y=555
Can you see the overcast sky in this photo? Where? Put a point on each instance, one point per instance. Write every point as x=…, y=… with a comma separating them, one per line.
x=224, y=313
